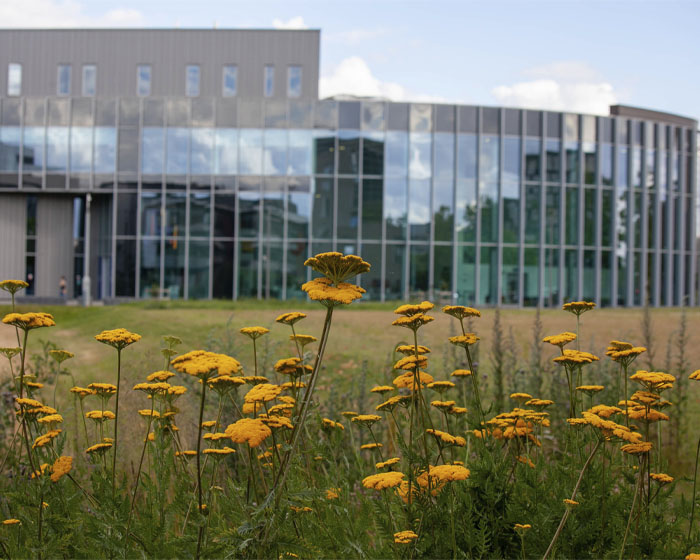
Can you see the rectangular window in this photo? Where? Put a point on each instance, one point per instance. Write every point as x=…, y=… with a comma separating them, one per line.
x=269, y=81
x=14, y=79
x=294, y=81
x=230, y=80
x=89, y=80
x=143, y=80
x=192, y=85
x=63, y=81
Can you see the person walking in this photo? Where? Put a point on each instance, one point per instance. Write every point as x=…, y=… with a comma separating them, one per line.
x=63, y=287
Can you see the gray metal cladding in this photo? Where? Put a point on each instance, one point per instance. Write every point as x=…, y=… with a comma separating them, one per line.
x=13, y=227
x=54, y=251
x=117, y=52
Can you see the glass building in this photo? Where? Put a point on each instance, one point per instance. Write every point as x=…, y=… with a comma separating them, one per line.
x=210, y=191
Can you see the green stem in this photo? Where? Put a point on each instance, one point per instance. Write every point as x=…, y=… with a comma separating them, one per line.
x=695, y=480
x=637, y=490
x=116, y=421
x=199, y=471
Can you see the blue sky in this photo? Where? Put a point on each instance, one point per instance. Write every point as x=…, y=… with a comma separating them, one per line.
x=562, y=55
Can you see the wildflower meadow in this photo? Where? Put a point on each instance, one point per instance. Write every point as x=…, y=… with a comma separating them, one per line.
x=240, y=448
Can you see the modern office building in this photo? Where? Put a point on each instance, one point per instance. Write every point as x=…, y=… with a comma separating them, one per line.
x=201, y=164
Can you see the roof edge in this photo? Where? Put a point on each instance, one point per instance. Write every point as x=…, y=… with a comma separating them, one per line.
x=652, y=115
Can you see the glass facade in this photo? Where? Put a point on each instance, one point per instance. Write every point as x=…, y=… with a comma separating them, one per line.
x=473, y=205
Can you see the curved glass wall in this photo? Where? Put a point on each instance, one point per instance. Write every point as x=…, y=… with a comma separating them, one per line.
x=473, y=205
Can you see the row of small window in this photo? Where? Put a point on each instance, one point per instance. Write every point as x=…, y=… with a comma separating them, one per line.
x=229, y=81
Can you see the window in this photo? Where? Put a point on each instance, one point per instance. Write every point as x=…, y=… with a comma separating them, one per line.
x=294, y=81
x=143, y=80
x=63, y=82
x=269, y=82
x=14, y=79
x=192, y=86
x=230, y=80
x=89, y=80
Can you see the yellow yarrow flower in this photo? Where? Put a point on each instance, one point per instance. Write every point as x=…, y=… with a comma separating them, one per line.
x=408, y=349
x=248, y=430
x=441, y=474
x=28, y=321
x=158, y=388
x=332, y=493
x=118, y=338
x=99, y=448
x=366, y=419
x=262, y=393
x=461, y=373
x=328, y=423
x=411, y=362
x=103, y=389
x=61, y=355
x=578, y=307
x=337, y=267
x=160, y=376
x=413, y=322
x=560, y=340
x=461, y=312
x=11, y=521
x=446, y=438
x=370, y=446
x=302, y=339
x=405, y=537
x=61, y=467
x=323, y=291
x=290, y=318
x=464, y=340
x=590, y=389
x=201, y=363
x=13, y=286
x=662, y=478
x=637, y=448
x=381, y=389
x=381, y=481
x=254, y=332
x=407, y=380
x=409, y=309
x=387, y=463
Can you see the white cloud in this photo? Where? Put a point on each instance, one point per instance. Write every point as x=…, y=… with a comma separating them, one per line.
x=62, y=13
x=560, y=86
x=297, y=22
x=354, y=77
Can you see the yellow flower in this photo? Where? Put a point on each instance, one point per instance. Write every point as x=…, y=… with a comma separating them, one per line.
x=521, y=528
x=414, y=309
x=411, y=362
x=384, y=480
x=302, y=339
x=387, y=463
x=160, y=376
x=223, y=451
x=201, y=363
x=637, y=448
x=407, y=380
x=46, y=438
x=661, y=478
x=405, y=537
x=118, y=338
x=366, y=419
x=460, y=311
x=28, y=321
x=441, y=386
x=332, y=493
x=578, y=307
x=349, y=413
x=370, y=446
x=305, y=509
x=446, y=438
x=100, y=415
x=51, y=419
x=61, y=355
x=337, y=267
x=464, y=340
x=186, y=453
x=590, y=389
x=254, y=332
x=393, y=402
x=560, y=340
x=103, y=389
x=604, y=411
x=28, y=402
x=574, y=357
x=176, y=391
x=520, y=397
x=408, y=349
x=153, y=388
x=539, y=403
x=98, y=448
x=654, y=381
x=61, y=467
x=277, y=422
x=442, y=474
x=570, y=503
x=13, y=286
x=695, y=375
x=692, y=556
x=525, y=461
x=461, y=373
x=457, y=410
x=328, y=423
x=627, y=355
x=292, y=366
x=224, y=383
x=322, y=290
x=290, y=318
x=254, y=379
x=381, y=389
x=10, y=353
x=413, y=322
x=11, y=521
x=262, y=393
x=248, y=430
x=442, y=405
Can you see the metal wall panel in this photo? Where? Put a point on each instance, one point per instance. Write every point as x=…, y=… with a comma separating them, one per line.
x=117, y=52
x=54, y=244
x=13, y=228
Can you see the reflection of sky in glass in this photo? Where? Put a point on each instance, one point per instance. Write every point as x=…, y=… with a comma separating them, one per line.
x=444, y=156
x=152, y=145
x=230, y=80
x=201, y=144
x=33, y=148
x=275, y=152
x=143, y=80
x=63, y=79
x=226, y=151
x=192, y=88
x=294, y=81
x=511, y=159
x=419, y=206
x=396, y=154
x=466, y=156
x=89, y=80
x=299, y=155
x=105, y=149
x=14, y=79
x=419, y=165
x=81, y=149
x=56, y=148
x=488, y=158
x=250, y=151
x=176, y=152
x=269, y=81
x=395, y=199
